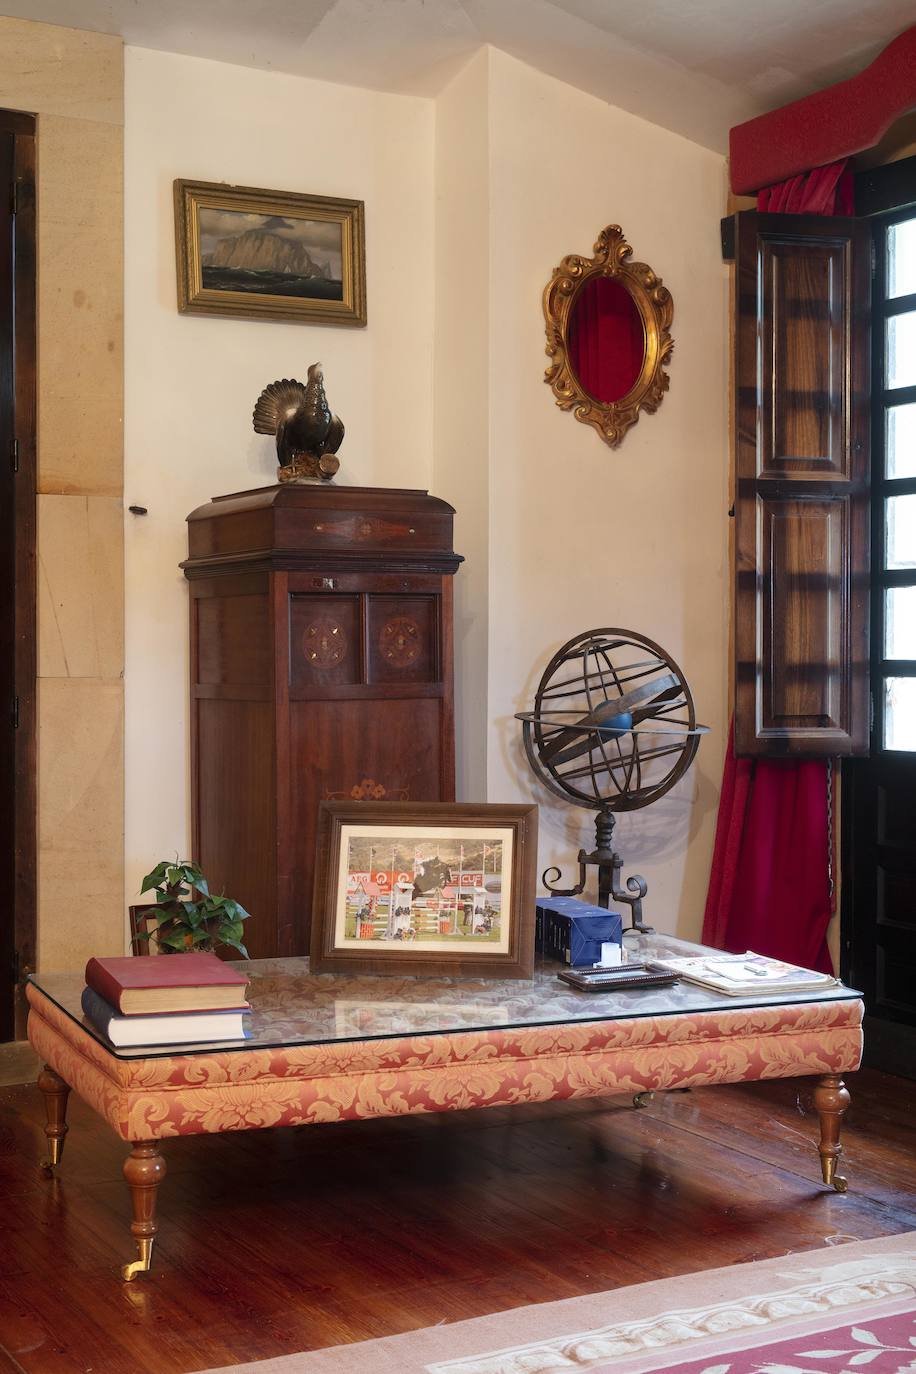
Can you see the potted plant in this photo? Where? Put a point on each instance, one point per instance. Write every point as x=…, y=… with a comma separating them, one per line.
x=180, y=921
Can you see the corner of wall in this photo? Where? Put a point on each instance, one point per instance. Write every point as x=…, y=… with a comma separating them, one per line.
x=461, y=420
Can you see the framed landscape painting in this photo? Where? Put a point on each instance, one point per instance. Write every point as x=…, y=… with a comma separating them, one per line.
x=269, y=254
x=432, y=888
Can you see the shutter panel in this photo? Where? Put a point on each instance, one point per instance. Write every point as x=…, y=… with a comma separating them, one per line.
x=802, y=464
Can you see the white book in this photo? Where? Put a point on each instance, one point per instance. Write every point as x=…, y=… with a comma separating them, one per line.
x=163, y=1028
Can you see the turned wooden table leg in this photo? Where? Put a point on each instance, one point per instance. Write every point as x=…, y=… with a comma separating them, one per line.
x=144, y=1169
x=830, y=1101
x=55, y=1092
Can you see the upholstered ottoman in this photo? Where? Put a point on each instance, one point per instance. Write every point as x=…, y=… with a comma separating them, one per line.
x=289, y=1074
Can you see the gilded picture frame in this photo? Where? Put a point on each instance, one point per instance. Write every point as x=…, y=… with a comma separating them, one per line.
x=425, y=888
x=652, y=299
x=276, y=255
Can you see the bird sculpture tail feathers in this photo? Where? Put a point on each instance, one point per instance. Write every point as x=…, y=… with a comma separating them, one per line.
x=276, y=403
x=335, y=435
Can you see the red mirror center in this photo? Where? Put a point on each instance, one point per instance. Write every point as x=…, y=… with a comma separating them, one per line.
x=607, y=339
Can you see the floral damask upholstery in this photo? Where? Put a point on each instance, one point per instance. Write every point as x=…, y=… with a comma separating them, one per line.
x=145, y=1099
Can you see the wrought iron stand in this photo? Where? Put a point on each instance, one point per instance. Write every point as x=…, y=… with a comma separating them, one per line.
x=608, y=863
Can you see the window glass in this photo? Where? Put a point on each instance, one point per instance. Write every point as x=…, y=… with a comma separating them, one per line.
x=900, y=622
x=900, y=532
x=900, y=368
x=900, y=713
x=900, y=441
x=901, y=258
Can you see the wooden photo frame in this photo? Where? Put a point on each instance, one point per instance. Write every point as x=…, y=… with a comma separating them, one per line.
x=273, y=255
x=426, y=888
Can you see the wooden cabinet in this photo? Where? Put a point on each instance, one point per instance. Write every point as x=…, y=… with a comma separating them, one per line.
x=321, y=668
x=802, y=477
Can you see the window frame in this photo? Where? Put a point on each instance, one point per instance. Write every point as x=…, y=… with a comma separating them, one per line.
x=884, y=399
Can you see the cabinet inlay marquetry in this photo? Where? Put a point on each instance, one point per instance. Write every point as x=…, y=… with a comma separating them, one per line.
x=325, y=642
x=400, y=641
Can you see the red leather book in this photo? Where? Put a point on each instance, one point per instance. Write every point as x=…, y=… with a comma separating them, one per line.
x=167, y=982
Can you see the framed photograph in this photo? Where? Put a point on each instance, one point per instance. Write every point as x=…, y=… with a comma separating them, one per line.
x=269, y=254
x=426, y=888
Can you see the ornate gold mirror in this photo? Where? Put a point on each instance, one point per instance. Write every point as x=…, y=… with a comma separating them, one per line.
x=608, y=322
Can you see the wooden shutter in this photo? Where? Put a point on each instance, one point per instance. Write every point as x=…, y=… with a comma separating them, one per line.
x=802, y=463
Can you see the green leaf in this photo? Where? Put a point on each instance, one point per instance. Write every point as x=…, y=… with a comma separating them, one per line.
x=176, y=941
x=235, y=945
x=194, y=913
x=193, y=875
x=233, y=911
x=154, y=878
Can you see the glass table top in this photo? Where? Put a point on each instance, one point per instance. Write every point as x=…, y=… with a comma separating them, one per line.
x=291, y=1006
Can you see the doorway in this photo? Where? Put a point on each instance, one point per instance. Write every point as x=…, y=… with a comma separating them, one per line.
x=17, y=565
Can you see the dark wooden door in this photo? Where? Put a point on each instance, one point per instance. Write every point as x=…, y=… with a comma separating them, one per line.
x=17, y=554
x=879, y=854
x=802, y=467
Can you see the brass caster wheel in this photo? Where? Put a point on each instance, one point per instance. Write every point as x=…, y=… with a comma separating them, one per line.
x=840, y=1184
x=141, y=1265
x=643, y=1099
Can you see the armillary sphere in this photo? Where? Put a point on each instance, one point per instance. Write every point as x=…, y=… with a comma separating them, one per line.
x=613, y=727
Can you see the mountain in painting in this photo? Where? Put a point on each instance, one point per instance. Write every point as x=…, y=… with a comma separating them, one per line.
x=258, y=250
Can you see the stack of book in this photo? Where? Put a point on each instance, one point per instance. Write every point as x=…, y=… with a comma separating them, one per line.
x=174, y=999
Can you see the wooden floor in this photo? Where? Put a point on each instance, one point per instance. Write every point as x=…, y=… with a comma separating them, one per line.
x=283, y=1240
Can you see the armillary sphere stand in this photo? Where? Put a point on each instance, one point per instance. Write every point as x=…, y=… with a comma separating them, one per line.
x=608, y=863
x=613, y=727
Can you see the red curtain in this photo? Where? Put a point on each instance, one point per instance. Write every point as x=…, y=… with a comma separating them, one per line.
x=769, y=888
x=824, y=191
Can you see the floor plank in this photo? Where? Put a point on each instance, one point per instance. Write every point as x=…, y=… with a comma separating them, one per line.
x=283, y=1240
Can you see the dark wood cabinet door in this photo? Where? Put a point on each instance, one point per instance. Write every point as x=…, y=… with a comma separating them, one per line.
x=342, y=751
x=801, y=469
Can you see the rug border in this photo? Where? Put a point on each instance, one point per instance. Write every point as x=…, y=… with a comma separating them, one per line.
x=415, y=1352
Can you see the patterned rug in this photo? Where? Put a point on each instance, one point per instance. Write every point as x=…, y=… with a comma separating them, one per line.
x=842, y=1310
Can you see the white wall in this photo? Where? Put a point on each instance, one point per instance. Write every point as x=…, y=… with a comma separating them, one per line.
x=191, y=382
x=582, y=535
x=470, y=203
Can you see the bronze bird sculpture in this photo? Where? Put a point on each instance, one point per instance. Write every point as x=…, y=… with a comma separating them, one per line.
x=308, y=435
